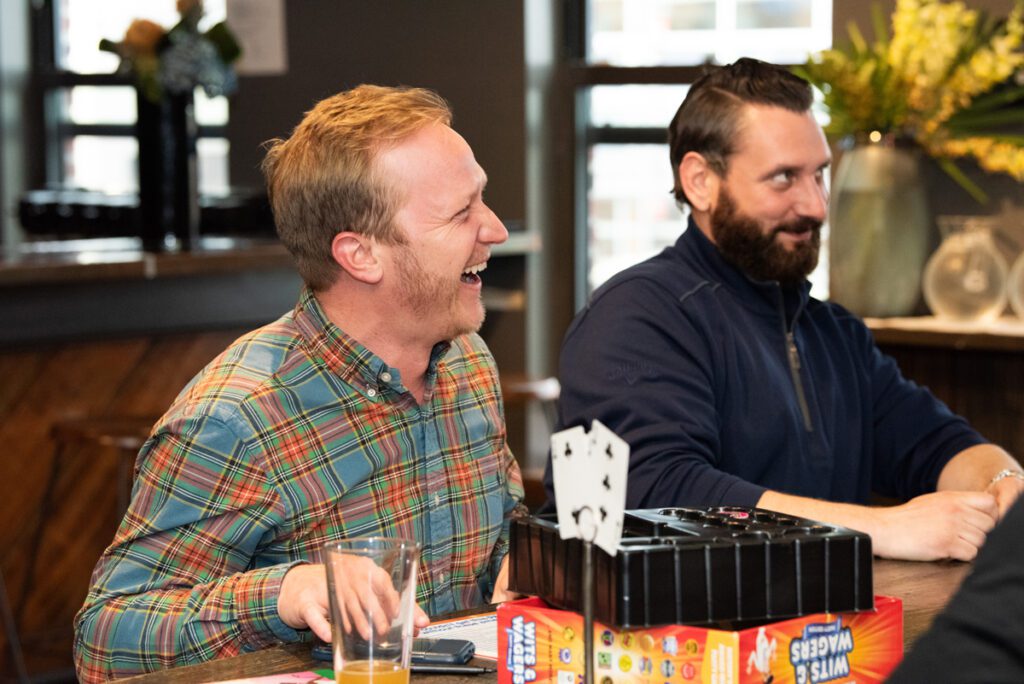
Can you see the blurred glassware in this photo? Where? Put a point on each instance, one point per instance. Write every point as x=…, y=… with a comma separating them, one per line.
x=965, y=279
x=1015, y=286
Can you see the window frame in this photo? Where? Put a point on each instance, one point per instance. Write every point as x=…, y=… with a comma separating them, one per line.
x=582, y=75
x=51, y=81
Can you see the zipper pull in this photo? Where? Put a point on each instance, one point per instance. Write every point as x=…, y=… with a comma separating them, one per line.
x=794, y=355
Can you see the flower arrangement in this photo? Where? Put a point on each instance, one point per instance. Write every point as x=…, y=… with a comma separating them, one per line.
x=177, y=60
x=947, y=77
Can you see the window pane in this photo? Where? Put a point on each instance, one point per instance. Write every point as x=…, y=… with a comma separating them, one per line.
x=635, y=105
x=210, y=111
x=110, y=164
x=766, y=14
x=83, y=23
x=102, y=105
x=690, y=32
x=116, y=105
x=107, y=164
x=685, y=16
x=632, y=212
x=213, y=165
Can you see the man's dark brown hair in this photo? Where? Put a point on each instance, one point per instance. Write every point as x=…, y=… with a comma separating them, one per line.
x=708, y=119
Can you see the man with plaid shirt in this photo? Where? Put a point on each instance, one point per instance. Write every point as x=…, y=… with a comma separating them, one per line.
x=373, y=408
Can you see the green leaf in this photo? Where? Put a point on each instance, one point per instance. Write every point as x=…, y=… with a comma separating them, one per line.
x=985, y=120
x=225, y=42
x=860, y=45
x=954, y=172
x=994, y=99
x=880, y=22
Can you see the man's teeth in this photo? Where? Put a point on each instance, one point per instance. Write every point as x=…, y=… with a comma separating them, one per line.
x=475, y=268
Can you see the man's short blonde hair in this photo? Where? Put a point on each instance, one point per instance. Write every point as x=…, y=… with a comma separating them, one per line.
x=322, y=180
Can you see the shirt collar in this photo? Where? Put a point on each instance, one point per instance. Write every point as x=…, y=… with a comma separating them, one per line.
x=346, y=357
x=694, y=240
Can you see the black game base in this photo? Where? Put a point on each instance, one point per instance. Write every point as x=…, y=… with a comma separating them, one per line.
x=699, y=566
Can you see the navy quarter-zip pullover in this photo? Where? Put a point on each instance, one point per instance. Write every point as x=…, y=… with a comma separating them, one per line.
x=724, y=386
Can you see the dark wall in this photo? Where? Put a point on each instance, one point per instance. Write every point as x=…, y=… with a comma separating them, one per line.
x=470, y=51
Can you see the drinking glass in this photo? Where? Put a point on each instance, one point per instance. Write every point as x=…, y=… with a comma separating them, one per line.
x=371, y=584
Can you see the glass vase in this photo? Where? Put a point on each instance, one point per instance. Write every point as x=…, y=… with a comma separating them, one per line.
x=168, y=180
x=965, y=280
x=880, y=227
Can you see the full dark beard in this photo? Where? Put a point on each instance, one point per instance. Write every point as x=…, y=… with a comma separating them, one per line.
x=759, y=255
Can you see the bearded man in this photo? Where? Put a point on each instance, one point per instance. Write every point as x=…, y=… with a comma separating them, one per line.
x=733, y=386
x=371, y=409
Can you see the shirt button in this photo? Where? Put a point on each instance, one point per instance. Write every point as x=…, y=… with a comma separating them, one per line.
x=385, y=376
x=371, y=393
x=441, y=578
x=437, y=500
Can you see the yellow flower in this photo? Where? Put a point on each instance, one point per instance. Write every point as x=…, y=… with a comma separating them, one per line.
x=944, y=77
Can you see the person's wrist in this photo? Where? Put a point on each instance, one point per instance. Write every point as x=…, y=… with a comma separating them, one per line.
x=1005, y=473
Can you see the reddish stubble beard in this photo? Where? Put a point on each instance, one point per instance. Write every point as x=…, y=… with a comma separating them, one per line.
x=434, y=299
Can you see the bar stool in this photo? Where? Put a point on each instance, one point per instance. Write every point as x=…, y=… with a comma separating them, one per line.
x=122, y=435
x=74, y=438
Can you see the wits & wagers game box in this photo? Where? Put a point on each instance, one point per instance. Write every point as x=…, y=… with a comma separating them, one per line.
x=718, y=595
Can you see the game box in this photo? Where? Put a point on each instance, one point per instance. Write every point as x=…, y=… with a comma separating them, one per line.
x=538, y=643
x=699, y=567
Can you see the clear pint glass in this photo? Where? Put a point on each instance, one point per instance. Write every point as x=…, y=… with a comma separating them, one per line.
x=371, y=582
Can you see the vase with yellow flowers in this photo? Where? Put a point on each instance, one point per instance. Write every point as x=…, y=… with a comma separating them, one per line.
x=167, y=66
x=941, y=81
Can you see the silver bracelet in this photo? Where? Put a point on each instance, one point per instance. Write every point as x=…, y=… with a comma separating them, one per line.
x=1003, y=474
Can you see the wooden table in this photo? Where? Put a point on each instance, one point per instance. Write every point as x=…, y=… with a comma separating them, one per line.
x=924, y=587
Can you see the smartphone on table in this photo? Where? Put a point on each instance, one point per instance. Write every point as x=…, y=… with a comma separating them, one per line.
x=425, y=651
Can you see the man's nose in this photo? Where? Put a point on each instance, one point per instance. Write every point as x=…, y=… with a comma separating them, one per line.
x=493, y=231
x=813, y=202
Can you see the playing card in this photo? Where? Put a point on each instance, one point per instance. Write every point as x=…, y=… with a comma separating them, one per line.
x=609, y=462
x=570, y=474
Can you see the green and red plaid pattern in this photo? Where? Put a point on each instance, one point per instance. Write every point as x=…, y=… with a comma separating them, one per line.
x=294, y=436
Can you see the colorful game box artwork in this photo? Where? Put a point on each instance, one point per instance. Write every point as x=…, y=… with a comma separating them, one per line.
x=541, y=644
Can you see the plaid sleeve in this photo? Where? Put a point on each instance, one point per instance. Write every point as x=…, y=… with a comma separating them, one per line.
x=175, y=586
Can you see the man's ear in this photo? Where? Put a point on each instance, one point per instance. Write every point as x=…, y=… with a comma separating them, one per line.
x=358, y=255
x=699, y=181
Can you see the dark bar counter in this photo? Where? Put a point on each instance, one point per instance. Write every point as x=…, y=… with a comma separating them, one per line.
x=69, y=289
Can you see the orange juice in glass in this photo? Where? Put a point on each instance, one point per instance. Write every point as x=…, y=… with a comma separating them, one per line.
x=371, y=584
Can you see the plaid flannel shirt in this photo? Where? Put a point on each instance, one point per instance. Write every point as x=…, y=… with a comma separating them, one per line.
x=294, y=436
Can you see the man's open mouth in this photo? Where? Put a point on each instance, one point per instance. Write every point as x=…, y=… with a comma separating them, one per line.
x=471, y=276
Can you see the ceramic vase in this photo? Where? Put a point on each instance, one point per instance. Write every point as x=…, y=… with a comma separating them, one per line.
x=880, y=227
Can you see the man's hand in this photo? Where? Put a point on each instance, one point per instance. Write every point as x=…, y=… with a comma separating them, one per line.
x=943, y=524
x=933, y=526
x=501, y=592
x=973, y=469
x=1006, y=492
x=303, y=599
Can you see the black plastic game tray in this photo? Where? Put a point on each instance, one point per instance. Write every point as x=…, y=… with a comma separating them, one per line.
x=699, y=566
